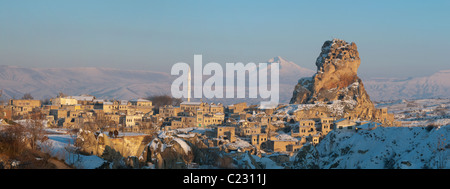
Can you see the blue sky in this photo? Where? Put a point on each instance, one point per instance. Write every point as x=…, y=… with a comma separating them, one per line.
x=394, y=38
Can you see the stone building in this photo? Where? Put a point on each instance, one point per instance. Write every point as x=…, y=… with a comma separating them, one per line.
x=281, y=145
x=345, y=125
x=58, y=113
x=237, y=108
x=192, y=106
x=207, y=119
x=130, y=120
x=182, y=122
x=141, y=105
x=312, y=113
x=305, y=128
x=326, y=125
x=259, y=140
x=315, y=139
x=223, y=132
x=169, y=111
x=22, y=107
x=248, y=128
x=59, y=101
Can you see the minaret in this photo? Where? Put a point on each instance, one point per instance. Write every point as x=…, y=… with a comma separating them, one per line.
x=189, y=85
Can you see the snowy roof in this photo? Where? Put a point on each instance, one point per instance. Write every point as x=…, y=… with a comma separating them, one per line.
x=345, y=122
x=191, y=103
x=285, y=137
x=140, y=100
x=83, y=97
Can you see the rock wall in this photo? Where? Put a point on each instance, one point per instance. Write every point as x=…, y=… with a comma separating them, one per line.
x=336, y=77
x=95, y=143
x=336, y=80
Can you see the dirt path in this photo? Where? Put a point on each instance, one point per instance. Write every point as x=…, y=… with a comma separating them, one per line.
x=59, y=164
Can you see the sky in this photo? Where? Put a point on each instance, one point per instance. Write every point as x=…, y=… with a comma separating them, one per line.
x=394, y=38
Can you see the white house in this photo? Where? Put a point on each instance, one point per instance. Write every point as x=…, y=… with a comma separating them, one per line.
x=345, y=125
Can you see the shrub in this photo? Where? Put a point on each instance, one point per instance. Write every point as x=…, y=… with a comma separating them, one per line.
x=13, y=140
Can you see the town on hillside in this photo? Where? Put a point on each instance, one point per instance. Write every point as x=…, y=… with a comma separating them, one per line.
x=266, y=130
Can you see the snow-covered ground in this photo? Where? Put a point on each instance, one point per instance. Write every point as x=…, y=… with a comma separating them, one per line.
x=421, y=112
x=421, y=141
x=335, y=107
x=381, y=148
x=414, y=145
x=60, y=145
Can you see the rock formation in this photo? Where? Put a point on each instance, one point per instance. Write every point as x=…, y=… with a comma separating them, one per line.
x=336, y=81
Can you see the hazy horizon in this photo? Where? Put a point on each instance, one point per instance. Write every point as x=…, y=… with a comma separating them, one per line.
x=394, y=39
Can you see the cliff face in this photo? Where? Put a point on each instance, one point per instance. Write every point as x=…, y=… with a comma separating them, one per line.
x=336, y=79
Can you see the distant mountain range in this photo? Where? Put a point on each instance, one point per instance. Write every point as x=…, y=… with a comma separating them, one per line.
x=109, y=83
x=100, y=82
x=436, y=85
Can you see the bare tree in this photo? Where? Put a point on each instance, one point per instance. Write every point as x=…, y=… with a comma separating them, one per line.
x=47, y=147
x=61, y=94
x=97, y=122
x=27, y=96
x=13, y=140
x=74, y=149
x=161, y=100
x=46, y=102
x=35, y=128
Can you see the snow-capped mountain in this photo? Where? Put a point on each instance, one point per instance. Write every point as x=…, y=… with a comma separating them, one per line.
x=101, y=82
x=127, y=84
x=111, y=83
x=433, y=86
x=289, y=71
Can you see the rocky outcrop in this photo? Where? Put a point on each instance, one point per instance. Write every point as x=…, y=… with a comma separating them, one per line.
x=173, y=150
x=168, y=152
x=121, y=152
x=336, y=80
x=95, y=143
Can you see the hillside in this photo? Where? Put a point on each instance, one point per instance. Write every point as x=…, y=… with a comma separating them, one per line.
x=381, y=148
